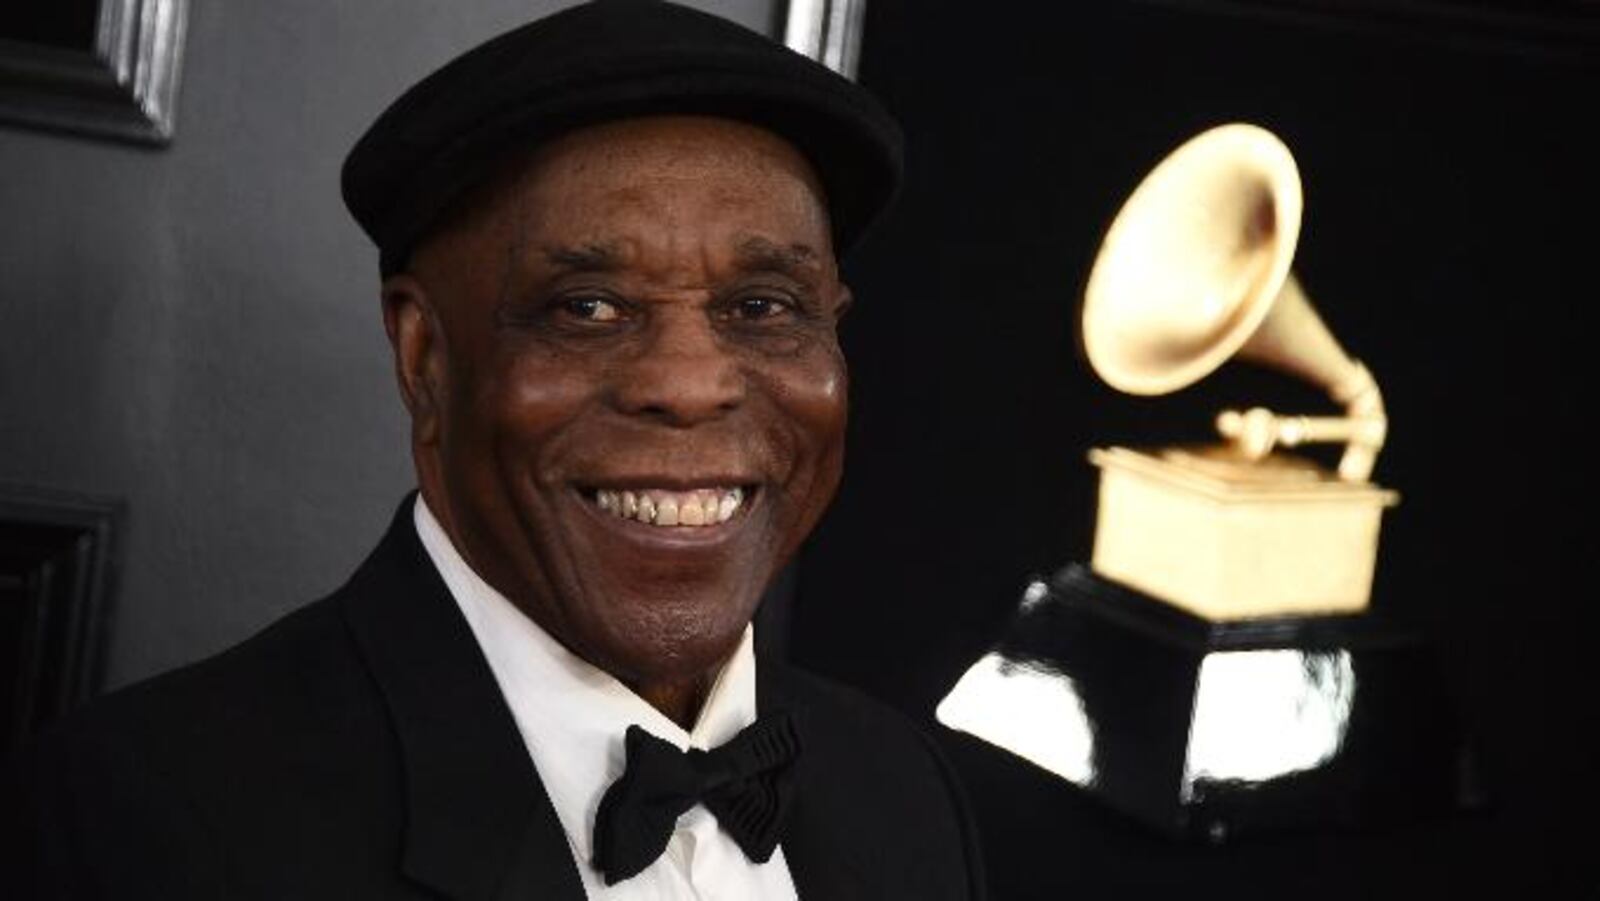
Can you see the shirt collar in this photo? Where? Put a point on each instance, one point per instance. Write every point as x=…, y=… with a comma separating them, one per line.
x=571, y=714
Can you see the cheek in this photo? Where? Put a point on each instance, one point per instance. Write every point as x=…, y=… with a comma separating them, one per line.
x=814, y=403
x=823, y=403
x=525, y=404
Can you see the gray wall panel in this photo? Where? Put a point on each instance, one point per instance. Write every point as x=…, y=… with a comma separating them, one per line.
x=196, y=329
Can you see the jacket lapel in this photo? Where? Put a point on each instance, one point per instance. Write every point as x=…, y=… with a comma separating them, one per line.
x=479, y=823
x=821, y=864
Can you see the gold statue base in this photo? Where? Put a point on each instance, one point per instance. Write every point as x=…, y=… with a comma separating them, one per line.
x=1227, y=538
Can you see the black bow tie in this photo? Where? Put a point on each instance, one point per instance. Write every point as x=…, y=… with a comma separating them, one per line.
x=744, y=783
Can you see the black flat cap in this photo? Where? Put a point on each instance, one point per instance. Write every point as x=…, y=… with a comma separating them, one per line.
x=607, y=60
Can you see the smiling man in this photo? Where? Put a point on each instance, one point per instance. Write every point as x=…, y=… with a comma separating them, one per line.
x=627, y=396
x=608, y=243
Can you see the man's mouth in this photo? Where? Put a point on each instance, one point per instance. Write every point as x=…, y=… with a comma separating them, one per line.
x=672, y=508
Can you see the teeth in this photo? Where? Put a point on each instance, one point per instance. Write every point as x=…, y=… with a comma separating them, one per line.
x=666, y=512
x=690, y=513
x=701, y=507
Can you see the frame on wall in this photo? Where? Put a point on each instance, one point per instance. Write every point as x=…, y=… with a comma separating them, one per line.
x=121, y=82
x=828, y=31
x=57, y=573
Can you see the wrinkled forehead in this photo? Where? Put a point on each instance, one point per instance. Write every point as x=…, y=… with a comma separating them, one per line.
x=690, y=176
x=610, y=195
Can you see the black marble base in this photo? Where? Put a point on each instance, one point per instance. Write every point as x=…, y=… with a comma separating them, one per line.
x=1214, y=730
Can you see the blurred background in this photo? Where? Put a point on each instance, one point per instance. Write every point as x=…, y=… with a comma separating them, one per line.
x=1450, y=190
x=196, y=405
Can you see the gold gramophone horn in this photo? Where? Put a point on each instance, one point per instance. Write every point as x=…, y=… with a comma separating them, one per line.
x=1195, y=270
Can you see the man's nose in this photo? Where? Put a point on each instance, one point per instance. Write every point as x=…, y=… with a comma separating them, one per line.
x=683, y=375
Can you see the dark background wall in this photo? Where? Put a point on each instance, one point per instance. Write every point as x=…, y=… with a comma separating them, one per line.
x=195, y=330
x=1450, y=188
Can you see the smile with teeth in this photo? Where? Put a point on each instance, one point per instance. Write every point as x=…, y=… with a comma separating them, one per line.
x=700, y=507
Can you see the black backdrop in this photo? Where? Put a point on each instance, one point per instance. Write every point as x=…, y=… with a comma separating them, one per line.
x=1448, y=242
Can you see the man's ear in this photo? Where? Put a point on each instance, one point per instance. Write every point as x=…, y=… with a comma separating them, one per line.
x=843, y=301
x=417, y=340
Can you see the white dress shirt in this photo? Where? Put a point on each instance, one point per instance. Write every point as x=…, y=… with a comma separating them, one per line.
x=573, y=716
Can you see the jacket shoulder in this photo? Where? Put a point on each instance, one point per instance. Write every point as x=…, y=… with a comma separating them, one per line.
x=874, y=794
x=166, y=783
x=838, y=713
x=298, y=671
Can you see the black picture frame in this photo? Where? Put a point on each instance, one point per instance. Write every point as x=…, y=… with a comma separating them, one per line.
x=58, y=559
x=828, y=31
x=123, y=86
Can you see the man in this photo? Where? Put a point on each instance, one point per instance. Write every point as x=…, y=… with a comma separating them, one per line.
x=608, y=243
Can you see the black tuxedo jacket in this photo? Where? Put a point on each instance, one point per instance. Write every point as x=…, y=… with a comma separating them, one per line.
x=360, y=749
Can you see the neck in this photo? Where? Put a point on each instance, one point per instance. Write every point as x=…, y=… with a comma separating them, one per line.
x=679, y=702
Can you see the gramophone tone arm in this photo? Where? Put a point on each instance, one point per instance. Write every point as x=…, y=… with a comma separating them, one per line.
x=1363, y=430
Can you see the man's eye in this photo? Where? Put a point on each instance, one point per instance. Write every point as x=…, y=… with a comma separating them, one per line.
x=757, y=307
x=591, y=309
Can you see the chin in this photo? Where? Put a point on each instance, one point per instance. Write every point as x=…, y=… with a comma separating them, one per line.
x=652, y=601
x=663, y=632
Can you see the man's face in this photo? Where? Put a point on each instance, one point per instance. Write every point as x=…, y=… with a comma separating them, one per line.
x=627, y=393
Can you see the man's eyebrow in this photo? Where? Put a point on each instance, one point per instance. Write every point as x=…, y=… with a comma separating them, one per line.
x=753, y=254
x=596, y=257
x=760, y=254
